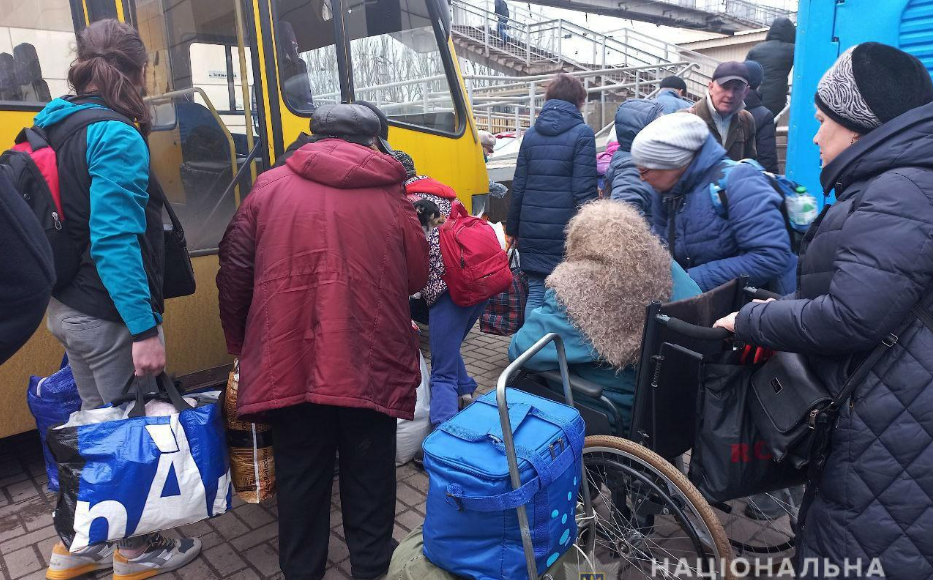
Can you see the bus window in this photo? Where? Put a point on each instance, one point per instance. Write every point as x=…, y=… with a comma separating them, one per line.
x=212, y=67
x=36, y=42
x=100, y=9
x=307, y=59
x=398, y=65
x=201, y=129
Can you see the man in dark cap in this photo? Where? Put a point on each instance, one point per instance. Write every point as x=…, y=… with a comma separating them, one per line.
x=315, y=273
x=673, y=88
x=723, y=111
x=382, y=137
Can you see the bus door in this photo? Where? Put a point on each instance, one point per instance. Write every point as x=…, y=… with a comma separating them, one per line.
x=396, y=54
x=207, y=145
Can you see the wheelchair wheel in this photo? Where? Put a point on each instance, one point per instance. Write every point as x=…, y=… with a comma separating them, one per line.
x=762, y=526
x=648, y=516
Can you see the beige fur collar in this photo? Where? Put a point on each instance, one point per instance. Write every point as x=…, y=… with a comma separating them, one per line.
x=613, y=268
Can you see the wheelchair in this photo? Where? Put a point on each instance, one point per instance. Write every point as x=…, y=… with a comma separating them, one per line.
x=647, y=512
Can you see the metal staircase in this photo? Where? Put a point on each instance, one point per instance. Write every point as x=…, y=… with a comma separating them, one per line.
x=612, y=67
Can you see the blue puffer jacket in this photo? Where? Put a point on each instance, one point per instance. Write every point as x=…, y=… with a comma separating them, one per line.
x=671, y=101
x=865, y=262
x=622, y=177
x=555, y=175
x=751, y=240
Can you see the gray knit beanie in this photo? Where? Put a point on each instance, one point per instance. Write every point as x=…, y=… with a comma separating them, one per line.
x=669, y=142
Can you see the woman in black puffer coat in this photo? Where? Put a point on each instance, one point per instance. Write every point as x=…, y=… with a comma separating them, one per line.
x=555, y=174
x=864, y=264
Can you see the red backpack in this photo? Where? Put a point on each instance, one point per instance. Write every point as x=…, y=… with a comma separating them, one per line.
x=476, y=266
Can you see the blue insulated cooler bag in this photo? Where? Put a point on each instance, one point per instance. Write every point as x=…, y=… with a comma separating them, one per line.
x=52, y=400
x=471, y=528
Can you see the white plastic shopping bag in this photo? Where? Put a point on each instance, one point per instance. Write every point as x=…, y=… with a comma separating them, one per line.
x=410, y=434
x=500, y=232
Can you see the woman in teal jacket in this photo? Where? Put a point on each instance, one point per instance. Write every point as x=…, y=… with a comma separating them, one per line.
x=108, y=313
x=596, y=298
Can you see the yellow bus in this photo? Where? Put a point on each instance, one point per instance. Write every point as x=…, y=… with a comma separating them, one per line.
x=231, y=84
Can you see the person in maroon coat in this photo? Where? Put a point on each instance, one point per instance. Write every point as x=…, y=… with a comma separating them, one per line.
x=315, y=273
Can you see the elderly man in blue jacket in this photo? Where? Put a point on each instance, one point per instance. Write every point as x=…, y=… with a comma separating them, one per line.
x=673, y=89
x=622, y=180
x=679, y=158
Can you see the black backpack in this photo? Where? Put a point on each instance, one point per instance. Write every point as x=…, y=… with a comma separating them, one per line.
x=32, y=167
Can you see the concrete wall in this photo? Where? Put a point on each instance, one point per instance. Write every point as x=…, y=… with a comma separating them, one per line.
x=728, y=47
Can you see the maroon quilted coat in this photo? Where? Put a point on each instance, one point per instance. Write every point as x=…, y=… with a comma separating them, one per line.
x=315, y=273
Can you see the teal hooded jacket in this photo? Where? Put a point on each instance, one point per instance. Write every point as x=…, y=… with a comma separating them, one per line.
x=582, y=358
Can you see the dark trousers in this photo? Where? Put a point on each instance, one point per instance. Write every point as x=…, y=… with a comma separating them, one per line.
x=306, y=439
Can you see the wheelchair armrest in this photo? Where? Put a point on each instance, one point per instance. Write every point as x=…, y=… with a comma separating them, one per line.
x=577, y=383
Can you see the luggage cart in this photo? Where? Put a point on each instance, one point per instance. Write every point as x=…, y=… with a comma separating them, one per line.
x=409, y=561
x=501, y=399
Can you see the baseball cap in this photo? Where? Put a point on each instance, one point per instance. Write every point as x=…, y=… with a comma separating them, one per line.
x=731, y=71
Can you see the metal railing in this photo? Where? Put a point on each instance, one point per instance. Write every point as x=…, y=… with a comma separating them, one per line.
x=745, y=11
x=531, y=40
x=510, y=103
x=505, y=104
x=758, y=14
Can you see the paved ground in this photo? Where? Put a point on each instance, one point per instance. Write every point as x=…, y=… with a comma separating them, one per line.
x=240, y=545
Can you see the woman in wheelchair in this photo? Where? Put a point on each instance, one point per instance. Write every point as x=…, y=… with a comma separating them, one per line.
x=595, y=300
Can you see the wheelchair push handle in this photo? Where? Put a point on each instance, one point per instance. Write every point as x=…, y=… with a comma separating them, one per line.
x=759, y=294
x=692, y=330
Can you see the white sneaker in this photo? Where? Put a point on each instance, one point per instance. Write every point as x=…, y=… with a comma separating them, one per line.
x=161, y=555
x=64, y=565
x=464, y=401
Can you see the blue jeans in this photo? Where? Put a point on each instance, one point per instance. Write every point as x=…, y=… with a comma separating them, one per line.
x=449, y=325
x=502, y=29
x=535, y=292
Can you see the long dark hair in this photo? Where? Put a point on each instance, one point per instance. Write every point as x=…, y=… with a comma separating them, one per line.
x=111, y=59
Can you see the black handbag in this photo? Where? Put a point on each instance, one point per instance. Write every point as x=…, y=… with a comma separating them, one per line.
x=786, y=396
x=729, y=458
x=177, y=272
x=794, y=410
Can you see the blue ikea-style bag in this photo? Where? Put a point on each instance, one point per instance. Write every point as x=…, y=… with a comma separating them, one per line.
x=471, y=528
x=51, y=401
x=141, y=466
